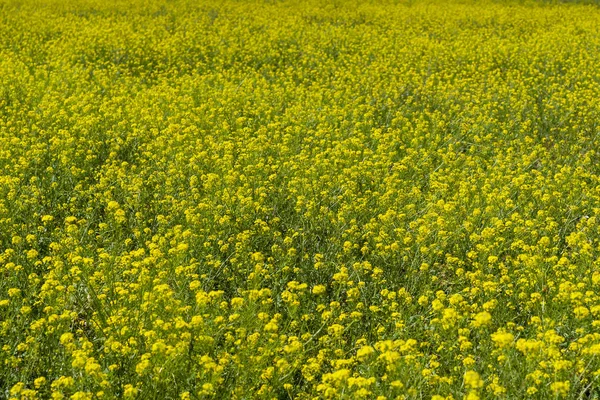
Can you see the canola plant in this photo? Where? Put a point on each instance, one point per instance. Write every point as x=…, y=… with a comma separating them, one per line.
x=299, y=199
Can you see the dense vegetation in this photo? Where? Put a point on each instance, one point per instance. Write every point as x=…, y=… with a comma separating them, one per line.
x=299, y=199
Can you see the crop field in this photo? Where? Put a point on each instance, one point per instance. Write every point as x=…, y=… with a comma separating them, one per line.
x=299, y=199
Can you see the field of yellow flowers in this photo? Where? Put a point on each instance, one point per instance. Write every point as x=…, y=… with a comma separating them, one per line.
x=299, y=199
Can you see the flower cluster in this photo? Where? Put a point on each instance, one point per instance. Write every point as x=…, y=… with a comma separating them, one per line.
x=299, y=199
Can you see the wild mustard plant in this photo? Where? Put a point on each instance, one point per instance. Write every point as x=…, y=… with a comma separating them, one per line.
x=299, y=199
